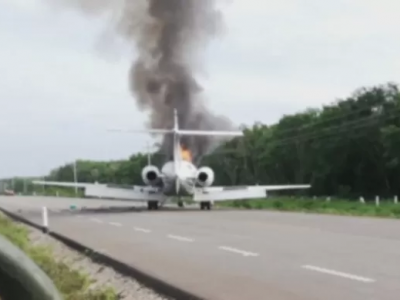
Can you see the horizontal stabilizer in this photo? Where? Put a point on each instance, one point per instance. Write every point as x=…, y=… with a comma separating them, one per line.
x=176, y=130
x=148, y=131
x=181, y=132
x=209, y=133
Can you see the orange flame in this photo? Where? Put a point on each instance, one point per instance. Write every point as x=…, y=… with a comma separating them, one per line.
x=186, y=154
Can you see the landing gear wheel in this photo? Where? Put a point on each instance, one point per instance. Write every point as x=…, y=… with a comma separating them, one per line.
x=152, y=205
x=205, y=205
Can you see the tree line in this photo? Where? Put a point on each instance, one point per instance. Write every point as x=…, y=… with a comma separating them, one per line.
x=348, y=148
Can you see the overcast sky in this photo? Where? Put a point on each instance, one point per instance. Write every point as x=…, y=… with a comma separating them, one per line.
x=62, y=85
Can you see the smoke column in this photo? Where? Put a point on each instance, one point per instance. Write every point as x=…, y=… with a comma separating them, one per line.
x=168, y=35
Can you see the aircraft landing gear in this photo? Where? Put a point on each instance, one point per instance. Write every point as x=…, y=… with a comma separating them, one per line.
x=152, y=205
x=205, y=205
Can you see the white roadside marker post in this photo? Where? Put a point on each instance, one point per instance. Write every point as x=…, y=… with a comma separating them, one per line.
x=45, y=220
x=377, y=200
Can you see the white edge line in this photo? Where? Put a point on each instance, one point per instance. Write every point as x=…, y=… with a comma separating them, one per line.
x=180, y=238
x=115, y=224
x=142, y=229
x=238, y=251
x=337, y=273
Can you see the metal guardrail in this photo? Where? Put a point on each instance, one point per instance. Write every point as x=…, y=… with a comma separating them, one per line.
x=21, y=278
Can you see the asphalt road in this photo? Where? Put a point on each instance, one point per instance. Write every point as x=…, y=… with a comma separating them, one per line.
x=238, y=255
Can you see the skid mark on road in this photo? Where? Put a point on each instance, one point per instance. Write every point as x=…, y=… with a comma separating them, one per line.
x=142, y=229
x=238, y=251
x=180, y=238
x=337, y=273
x=115, y=224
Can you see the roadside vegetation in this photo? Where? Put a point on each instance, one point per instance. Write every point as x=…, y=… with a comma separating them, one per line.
x=73, y=285
x=386, y=208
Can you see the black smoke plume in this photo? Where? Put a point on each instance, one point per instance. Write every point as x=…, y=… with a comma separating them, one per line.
x=168, y=35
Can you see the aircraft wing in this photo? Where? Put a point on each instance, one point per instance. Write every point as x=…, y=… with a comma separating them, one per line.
x=62, y=184
x=227, y=193
x=112, y=191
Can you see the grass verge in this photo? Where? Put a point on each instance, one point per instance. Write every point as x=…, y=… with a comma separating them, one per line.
x=73, y=285
x=335, y=206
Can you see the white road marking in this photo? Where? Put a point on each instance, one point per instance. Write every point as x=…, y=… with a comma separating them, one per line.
x=340, y=274
x=115, y=224
x=238, y=251
x=180, y=238
x=142, y=229
x=96, y=220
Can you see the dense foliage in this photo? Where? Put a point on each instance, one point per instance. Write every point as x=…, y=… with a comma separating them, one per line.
x=348, y=148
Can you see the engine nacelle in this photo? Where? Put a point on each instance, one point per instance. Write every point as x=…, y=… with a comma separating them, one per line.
x=205, y=176
x=151, y=175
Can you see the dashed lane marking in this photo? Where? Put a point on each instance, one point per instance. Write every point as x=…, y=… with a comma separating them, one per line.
x=142, y=229
x=180, y=238
x=238, y=251
x=337, y=273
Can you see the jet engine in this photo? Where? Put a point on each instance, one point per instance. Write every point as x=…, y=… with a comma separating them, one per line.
x=205, y=176
x=151, y=175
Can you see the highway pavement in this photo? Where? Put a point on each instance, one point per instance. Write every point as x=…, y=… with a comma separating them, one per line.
x=237, y=255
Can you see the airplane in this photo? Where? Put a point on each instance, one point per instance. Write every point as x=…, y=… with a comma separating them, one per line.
x=177, y=178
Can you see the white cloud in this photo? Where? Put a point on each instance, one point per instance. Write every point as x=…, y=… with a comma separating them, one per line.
x=65, y=84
